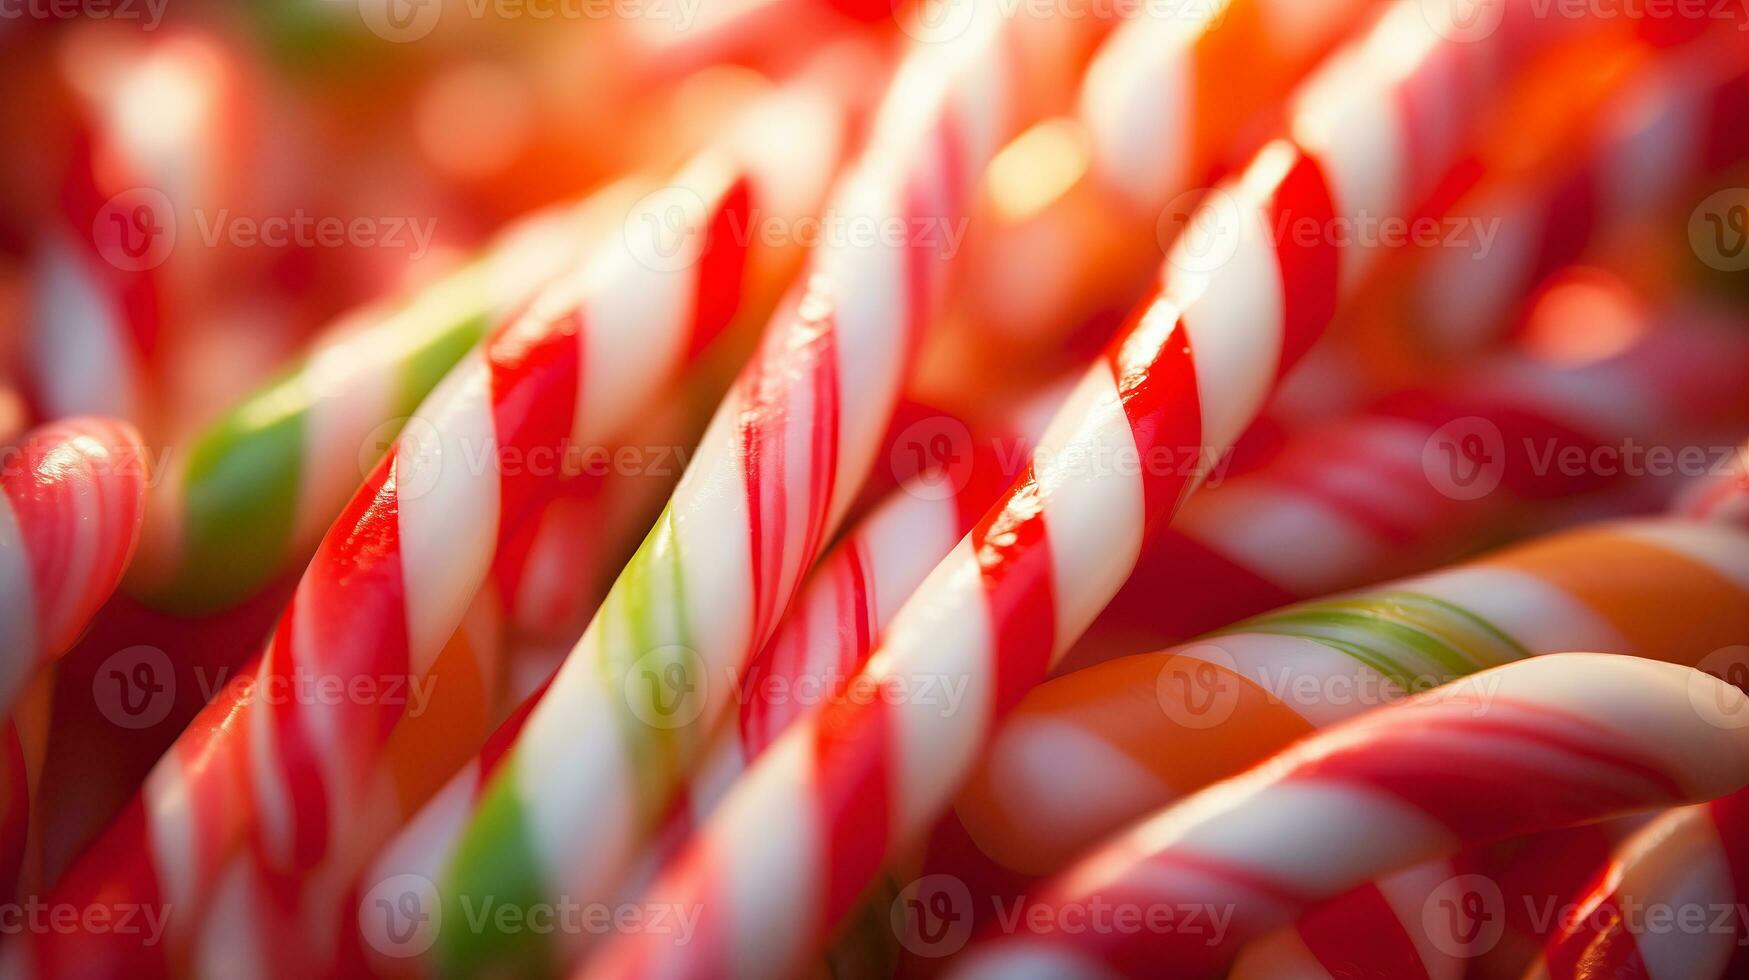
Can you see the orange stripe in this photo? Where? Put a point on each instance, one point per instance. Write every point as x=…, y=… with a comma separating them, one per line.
x=1186, y=721
x=1665, y=604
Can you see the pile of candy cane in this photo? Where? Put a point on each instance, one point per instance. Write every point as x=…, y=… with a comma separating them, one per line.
x=763, y=556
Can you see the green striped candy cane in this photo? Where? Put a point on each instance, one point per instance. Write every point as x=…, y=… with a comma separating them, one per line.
x=251, y=494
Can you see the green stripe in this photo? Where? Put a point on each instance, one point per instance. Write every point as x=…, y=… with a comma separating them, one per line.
x=240, y=488
x=1411, y=638
x=648, y=660
x=493, y=882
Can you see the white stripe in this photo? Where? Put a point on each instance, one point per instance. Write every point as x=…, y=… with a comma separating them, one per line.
x=1088, y=484
x=1654, y=142
x=1316, y=837
x=349, y=385
x=447, y=497
x=1137, y=103
x=17, y=602
x=1541, y=617
x=1720, y=547
x=570, y=770
x=869, y=291
x=172, y=821
x=903, y=540
x=1281, y=535
x=1062, y=787
x=78, y=343
x=771, y=853
x=1233, y=313
x=1280, y=666
x=938, y=643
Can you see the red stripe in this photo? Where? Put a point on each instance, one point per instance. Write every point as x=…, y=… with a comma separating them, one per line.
x=1182, y=587
x=1568, y=222
x=117, y=873
x=722, y=268
x=535, y=376
x=353, y=603
x=1310, y=265
x=1459, y=770
x=1358, y=934
x=853, y=799
x=1155, y=373
x=1727, y=123
x=1013, y=553
x=1601, y=948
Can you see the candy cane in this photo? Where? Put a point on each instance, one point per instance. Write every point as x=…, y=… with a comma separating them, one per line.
x=1169, y=91
x=1563, y=739
x=390, y=582
x=1325, y=940
x=1675, y=123
x=95, y=297
x=70, y=503
x=828, y=802
x=781, y=463
x=1378, y=494
x=1671, y=589
x=1690, y=860
x=1483, y=913
x=256, y=489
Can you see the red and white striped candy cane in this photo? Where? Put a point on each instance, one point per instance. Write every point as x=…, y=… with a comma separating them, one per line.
x=390, y=582
x=784, y=458
x=1370, y=496
x=1668, y=904
x=71, y=499
x=1530, y=746
x=1681, y=119
x=1170, y=89
x=800, y=837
